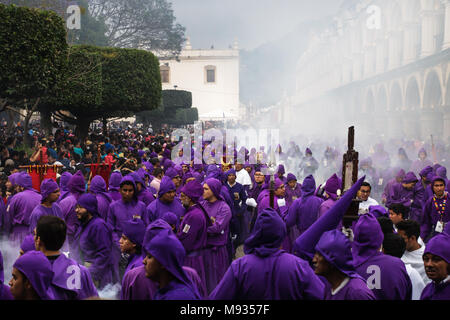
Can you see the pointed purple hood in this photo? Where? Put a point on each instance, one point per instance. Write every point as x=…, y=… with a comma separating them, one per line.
x=38, y=270
x=170, y=217
x=13, y=178
x=98, y=185
x=48, y=186
x=114, y=181
x=378, y=211
x=165, y=186
x=439, y=245
x=442, y=172
x=291, y=177
x=308, y=187
x=161, y=243
x=410, y=177
x=193, y=189
x=2, y=275
x=76, y=183
x=129, y=178
x=400, y=174
x=306, y=242
x=368, y=238
x=335, y=247
x=267, y=234
x=89, y=202
x=28, y=243
x=64, y=180
x=215, y=186
x=332, y=185
x=134, y=230
x=24, y=180
x=425, y=171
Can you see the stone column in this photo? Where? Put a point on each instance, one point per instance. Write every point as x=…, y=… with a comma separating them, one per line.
x=428, y=33
x=394, y=57
x=380, y=53
x=411, y=127
x=431, y=123
x=446, y=43
x=411, y=42
x=446, y=122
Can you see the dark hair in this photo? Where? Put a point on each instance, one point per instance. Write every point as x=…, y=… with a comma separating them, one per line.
x=52, y=231
x=154, y=161
x=394, y=245
x=386, y=225
x=366, y=184
x=157, y=172
x=128, y=183
x=410, y=227
x=398, y=208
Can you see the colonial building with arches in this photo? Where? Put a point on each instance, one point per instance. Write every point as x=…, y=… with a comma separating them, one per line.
x=383, y=65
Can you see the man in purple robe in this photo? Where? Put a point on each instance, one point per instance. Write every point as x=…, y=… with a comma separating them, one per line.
x=98, y=188
x=71, y=281
x=32, y=277
x=400, y=174
x=135, y=284
x=48, y=207
x=293, y=189
x=166, y=202
x=266, y=272
x=193, y=230
x=436, y=259
x=385, y=275
x=175, y=176
x=280, y=173
x=436, y=213
x=216, y=254
x=77, y=187
x=421, y=162
x=21, y=206
x=63, y=185
x=131, y=242
x=127, y=208
x=5, y=293
x=164, y=262
x=333, y=260
x=97, y=250
x=332, y=186
x=410, y=194
x=142, y=193
x=305, y=210
x=114, y=185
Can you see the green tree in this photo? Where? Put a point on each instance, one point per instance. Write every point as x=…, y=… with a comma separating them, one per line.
x=142, y=24
x=32, y=59
x=103, y=83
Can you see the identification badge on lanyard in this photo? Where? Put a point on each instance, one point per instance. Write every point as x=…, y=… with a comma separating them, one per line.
x=439, y=227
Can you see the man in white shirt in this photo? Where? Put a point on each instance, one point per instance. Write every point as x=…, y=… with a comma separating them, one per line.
x=364, y=196
x=394, y=245
x=409, y=230
x=242, y=176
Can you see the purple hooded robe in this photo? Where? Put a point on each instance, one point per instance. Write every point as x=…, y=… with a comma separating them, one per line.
x=120, y=211
x=76, y=186
x=21, y=206
x=38, y=270
x=336, y=249
x=63, y=185
x=418, y=164
x=164, y=245
x=97, y=251
x=385, y=275
x=157, y=208
x=114, y=186
x=98, y=188
x=71, y=281
x=332, y=185
x=292, y=194
x=216, y=255
x=135, y=231
x=439, y=246
x=430, y=214
x=305, y=210
x=266, y=272
x=409, y=198
x=5, y=293
x=193, y=229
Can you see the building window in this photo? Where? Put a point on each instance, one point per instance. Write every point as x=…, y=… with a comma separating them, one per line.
x=165, y=73
x=210, y=74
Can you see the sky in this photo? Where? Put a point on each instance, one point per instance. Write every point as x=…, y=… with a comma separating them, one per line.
x=251, y=22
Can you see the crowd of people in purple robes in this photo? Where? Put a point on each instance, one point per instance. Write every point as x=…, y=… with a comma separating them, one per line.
x=166, y=229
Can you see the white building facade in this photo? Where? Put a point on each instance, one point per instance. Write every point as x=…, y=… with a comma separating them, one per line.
x=211, y=75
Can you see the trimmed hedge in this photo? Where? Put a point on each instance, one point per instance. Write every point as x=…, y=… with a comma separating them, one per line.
x=33, y=52
x=177, y=99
